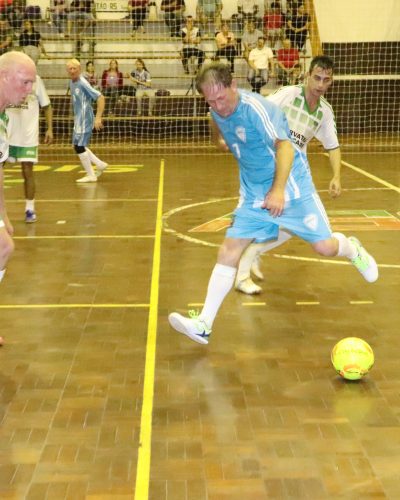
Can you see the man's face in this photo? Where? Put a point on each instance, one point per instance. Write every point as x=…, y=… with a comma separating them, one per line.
x=260, y=43
x=73, y=70
x=223, y=100
x=319, y=81
x=20, y=81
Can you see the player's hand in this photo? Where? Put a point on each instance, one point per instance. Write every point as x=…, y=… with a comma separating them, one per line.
x=48, y=138
x=335, y=187
x=98, y=123
x=274, y=202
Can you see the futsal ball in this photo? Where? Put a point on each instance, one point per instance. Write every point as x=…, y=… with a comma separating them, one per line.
x=352, y=358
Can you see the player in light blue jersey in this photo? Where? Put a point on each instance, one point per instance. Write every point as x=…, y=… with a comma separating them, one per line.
x=275, y=189
x=83, y=96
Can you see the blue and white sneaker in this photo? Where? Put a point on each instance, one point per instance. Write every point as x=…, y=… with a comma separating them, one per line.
x=364, y=262
x=193, y=327
x=30, y=216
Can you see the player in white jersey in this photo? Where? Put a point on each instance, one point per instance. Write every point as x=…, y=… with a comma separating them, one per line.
x=276, y=189
x=83, y=95
x=309, y=115
x=23, y=136
x=17, y=75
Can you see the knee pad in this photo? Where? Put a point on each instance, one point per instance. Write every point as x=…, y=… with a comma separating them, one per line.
x=79, y=149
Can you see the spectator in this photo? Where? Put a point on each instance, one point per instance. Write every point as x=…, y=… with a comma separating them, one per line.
x=250, y=38
x=59, y=15
x=261, y=62
x=80, y=10
x=173, y=11
x=226, y=45
x=137, y=10
x=16, y=15
x=31, y=41
x=286, y=58
x=111, y=84
x=142, y=79
x=274, y=23
x=209, y=11
x=298, y=26
x=91, y=75
x=191, y=39
x=247, y=11
x=297, y=75
x=6, y=37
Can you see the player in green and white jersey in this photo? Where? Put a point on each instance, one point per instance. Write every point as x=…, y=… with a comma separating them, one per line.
x=309, y=115
x=23, y=136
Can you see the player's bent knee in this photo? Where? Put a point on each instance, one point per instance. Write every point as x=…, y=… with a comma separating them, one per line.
x=328, y=248
x=79, y=149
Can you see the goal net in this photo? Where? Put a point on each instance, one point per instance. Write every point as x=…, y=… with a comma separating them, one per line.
x=172, y=116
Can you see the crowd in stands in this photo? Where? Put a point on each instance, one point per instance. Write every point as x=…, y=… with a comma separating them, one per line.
x=271, y=41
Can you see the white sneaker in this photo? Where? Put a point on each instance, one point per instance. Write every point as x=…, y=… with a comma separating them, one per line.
x=87, y=178
x=255, y=268
x=100, y=168
x=192, y=327
x=364, y=262
x=248, y=286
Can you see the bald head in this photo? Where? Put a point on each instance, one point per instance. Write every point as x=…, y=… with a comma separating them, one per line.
x=17, y=75
x=14, y=60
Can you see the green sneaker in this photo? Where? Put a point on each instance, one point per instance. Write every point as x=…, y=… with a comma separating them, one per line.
x=193, y=327
x=364, y=262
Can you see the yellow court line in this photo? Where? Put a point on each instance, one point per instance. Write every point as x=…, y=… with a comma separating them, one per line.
x=362, y=302
x=254, y=303
x=84, y=236
x=371, y=176
x=310, y=303
x=71, y=306
x=144, y=451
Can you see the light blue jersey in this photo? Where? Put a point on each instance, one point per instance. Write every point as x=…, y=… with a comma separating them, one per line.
x=250, y=133
x=83, y=95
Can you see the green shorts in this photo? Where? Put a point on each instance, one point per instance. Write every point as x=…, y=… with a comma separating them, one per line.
x=22, y=153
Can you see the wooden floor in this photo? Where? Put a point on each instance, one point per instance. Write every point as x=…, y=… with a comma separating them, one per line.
x=259, y=413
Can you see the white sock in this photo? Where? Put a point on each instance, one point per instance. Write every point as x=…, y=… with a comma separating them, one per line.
x=346, y=248
x=255, y=250
x=30, y=205
x=221, y=282
x=93, y=158
x=86, y=163
x=2, y=273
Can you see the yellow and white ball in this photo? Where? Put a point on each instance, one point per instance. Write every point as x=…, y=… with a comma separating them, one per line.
x=352, y=358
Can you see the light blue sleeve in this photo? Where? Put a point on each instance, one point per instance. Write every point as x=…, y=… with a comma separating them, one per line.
x=91, y=92
x=270, y=122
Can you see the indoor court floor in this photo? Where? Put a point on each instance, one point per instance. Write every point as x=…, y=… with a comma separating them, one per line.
x=101, y=399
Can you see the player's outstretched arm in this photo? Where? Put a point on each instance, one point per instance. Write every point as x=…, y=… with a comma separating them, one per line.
x=335, y=159
x=98, y=122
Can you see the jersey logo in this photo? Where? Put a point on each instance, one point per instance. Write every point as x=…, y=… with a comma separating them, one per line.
x=311, y=221
x=241, y=133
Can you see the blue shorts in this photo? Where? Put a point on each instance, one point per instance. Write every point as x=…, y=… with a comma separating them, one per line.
x=306, y=218
x=81, y=139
